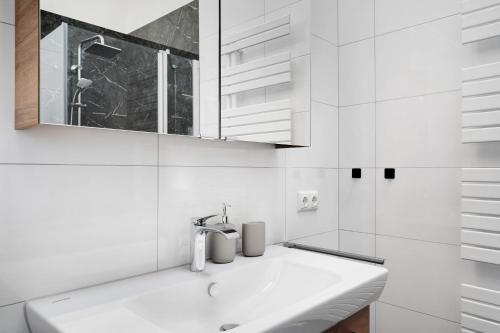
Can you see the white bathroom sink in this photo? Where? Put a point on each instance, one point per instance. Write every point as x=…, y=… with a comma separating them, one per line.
x=286, y=290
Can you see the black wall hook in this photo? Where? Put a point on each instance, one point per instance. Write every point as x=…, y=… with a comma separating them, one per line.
x=356, y=173
x=390, y=173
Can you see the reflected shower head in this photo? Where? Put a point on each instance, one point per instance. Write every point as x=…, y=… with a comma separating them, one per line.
x=102, y=50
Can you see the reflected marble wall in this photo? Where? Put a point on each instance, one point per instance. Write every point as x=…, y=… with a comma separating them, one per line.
x=124, y=93
x=178, y=29
x=180, y=96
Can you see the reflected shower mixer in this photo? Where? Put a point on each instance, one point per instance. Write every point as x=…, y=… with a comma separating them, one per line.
x=96, y=47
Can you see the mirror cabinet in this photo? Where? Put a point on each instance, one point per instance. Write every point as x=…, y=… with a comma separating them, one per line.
x=202, y=68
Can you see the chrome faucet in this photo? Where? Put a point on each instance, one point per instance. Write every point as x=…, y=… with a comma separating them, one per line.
x=199, y=240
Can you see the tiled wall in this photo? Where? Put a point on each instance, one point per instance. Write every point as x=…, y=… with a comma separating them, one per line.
x=400, y=101
x=85, y=206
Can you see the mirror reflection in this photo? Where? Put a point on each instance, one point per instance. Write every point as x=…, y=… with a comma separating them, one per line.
x=154, y=67
x=121, y=65
x=266, y=74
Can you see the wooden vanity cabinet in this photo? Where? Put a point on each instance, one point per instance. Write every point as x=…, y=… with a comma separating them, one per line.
x=357, y=323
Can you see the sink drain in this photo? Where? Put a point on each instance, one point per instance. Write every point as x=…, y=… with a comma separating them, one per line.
x=227, y=327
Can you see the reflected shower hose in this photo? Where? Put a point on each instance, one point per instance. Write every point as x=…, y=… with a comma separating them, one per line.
x=77, y=92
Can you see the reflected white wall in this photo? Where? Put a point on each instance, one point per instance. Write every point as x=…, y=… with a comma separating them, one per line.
x=53, y=77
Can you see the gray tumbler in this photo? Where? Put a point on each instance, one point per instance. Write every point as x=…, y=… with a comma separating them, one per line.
x=223, y=250
x=254, y=239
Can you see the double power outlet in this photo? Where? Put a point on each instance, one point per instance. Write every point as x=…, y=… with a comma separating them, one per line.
x=307, y=200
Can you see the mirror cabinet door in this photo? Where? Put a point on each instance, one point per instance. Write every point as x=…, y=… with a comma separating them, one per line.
x=265, y=71
x=159, y=67
x=128, y=65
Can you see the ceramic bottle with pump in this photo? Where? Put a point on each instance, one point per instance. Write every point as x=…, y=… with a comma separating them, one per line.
x=223, y=250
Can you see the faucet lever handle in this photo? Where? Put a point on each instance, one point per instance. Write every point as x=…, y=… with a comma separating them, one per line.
x=225, y=206
x=202, y=221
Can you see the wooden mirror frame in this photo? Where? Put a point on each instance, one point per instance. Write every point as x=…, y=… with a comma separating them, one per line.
x=27, y=63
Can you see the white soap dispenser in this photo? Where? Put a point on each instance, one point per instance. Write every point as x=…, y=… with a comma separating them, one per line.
x=223, y=250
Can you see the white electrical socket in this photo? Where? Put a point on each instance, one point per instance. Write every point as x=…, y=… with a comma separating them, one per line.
x=307, y=200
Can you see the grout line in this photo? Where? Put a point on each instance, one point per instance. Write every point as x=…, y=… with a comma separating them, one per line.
x=11, y=304
x=423, y=313
x=375, y=35
x=281, y=7
x=357, y=104
x=79, y=165
x=255, y=17
x=324, y=39
x=249, y=167
x=482, y=167
x=417, y=240
x=7, y=23
x=358, y=232
x=152, y=165
x=314, y=235
x=338, y=125
x=245, y=166
x=324, y=103
x=358, y=41
x=311, y=113
x=285, y=236
x=375, y=128
x=419, y=167
x=442, y=92
x=398, y=237
x=158, y=204
x=417, y=25
x=407, y=167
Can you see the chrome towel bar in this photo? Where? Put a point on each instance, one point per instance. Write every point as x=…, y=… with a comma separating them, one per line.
x=373, y=260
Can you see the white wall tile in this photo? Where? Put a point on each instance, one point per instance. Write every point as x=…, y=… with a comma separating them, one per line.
x=209, y=58
x=12, y=319
x=420, y=131
x=235, y=12
x=301, y=224
x=301, y=128
x=188, y=151
x=423, y=276
x=7, y=11
x=209, y=109
x=324, y=22
x=356, y=20
x=208, y=18
x=323, y=151
x=393, y=319
x=64, y=145
x=324, y=72
x=357, y=73
x=58, y=144
x=421, y=203
x=255, y=194
x=420, y=60
x=65, y=227
x=327, y=240
x=356, y=242
x=357, y=136
x=272, y=5
x=357, y=201
x=397, y=14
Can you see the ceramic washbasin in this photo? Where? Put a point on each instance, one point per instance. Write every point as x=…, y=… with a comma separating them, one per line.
x=286, y=290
